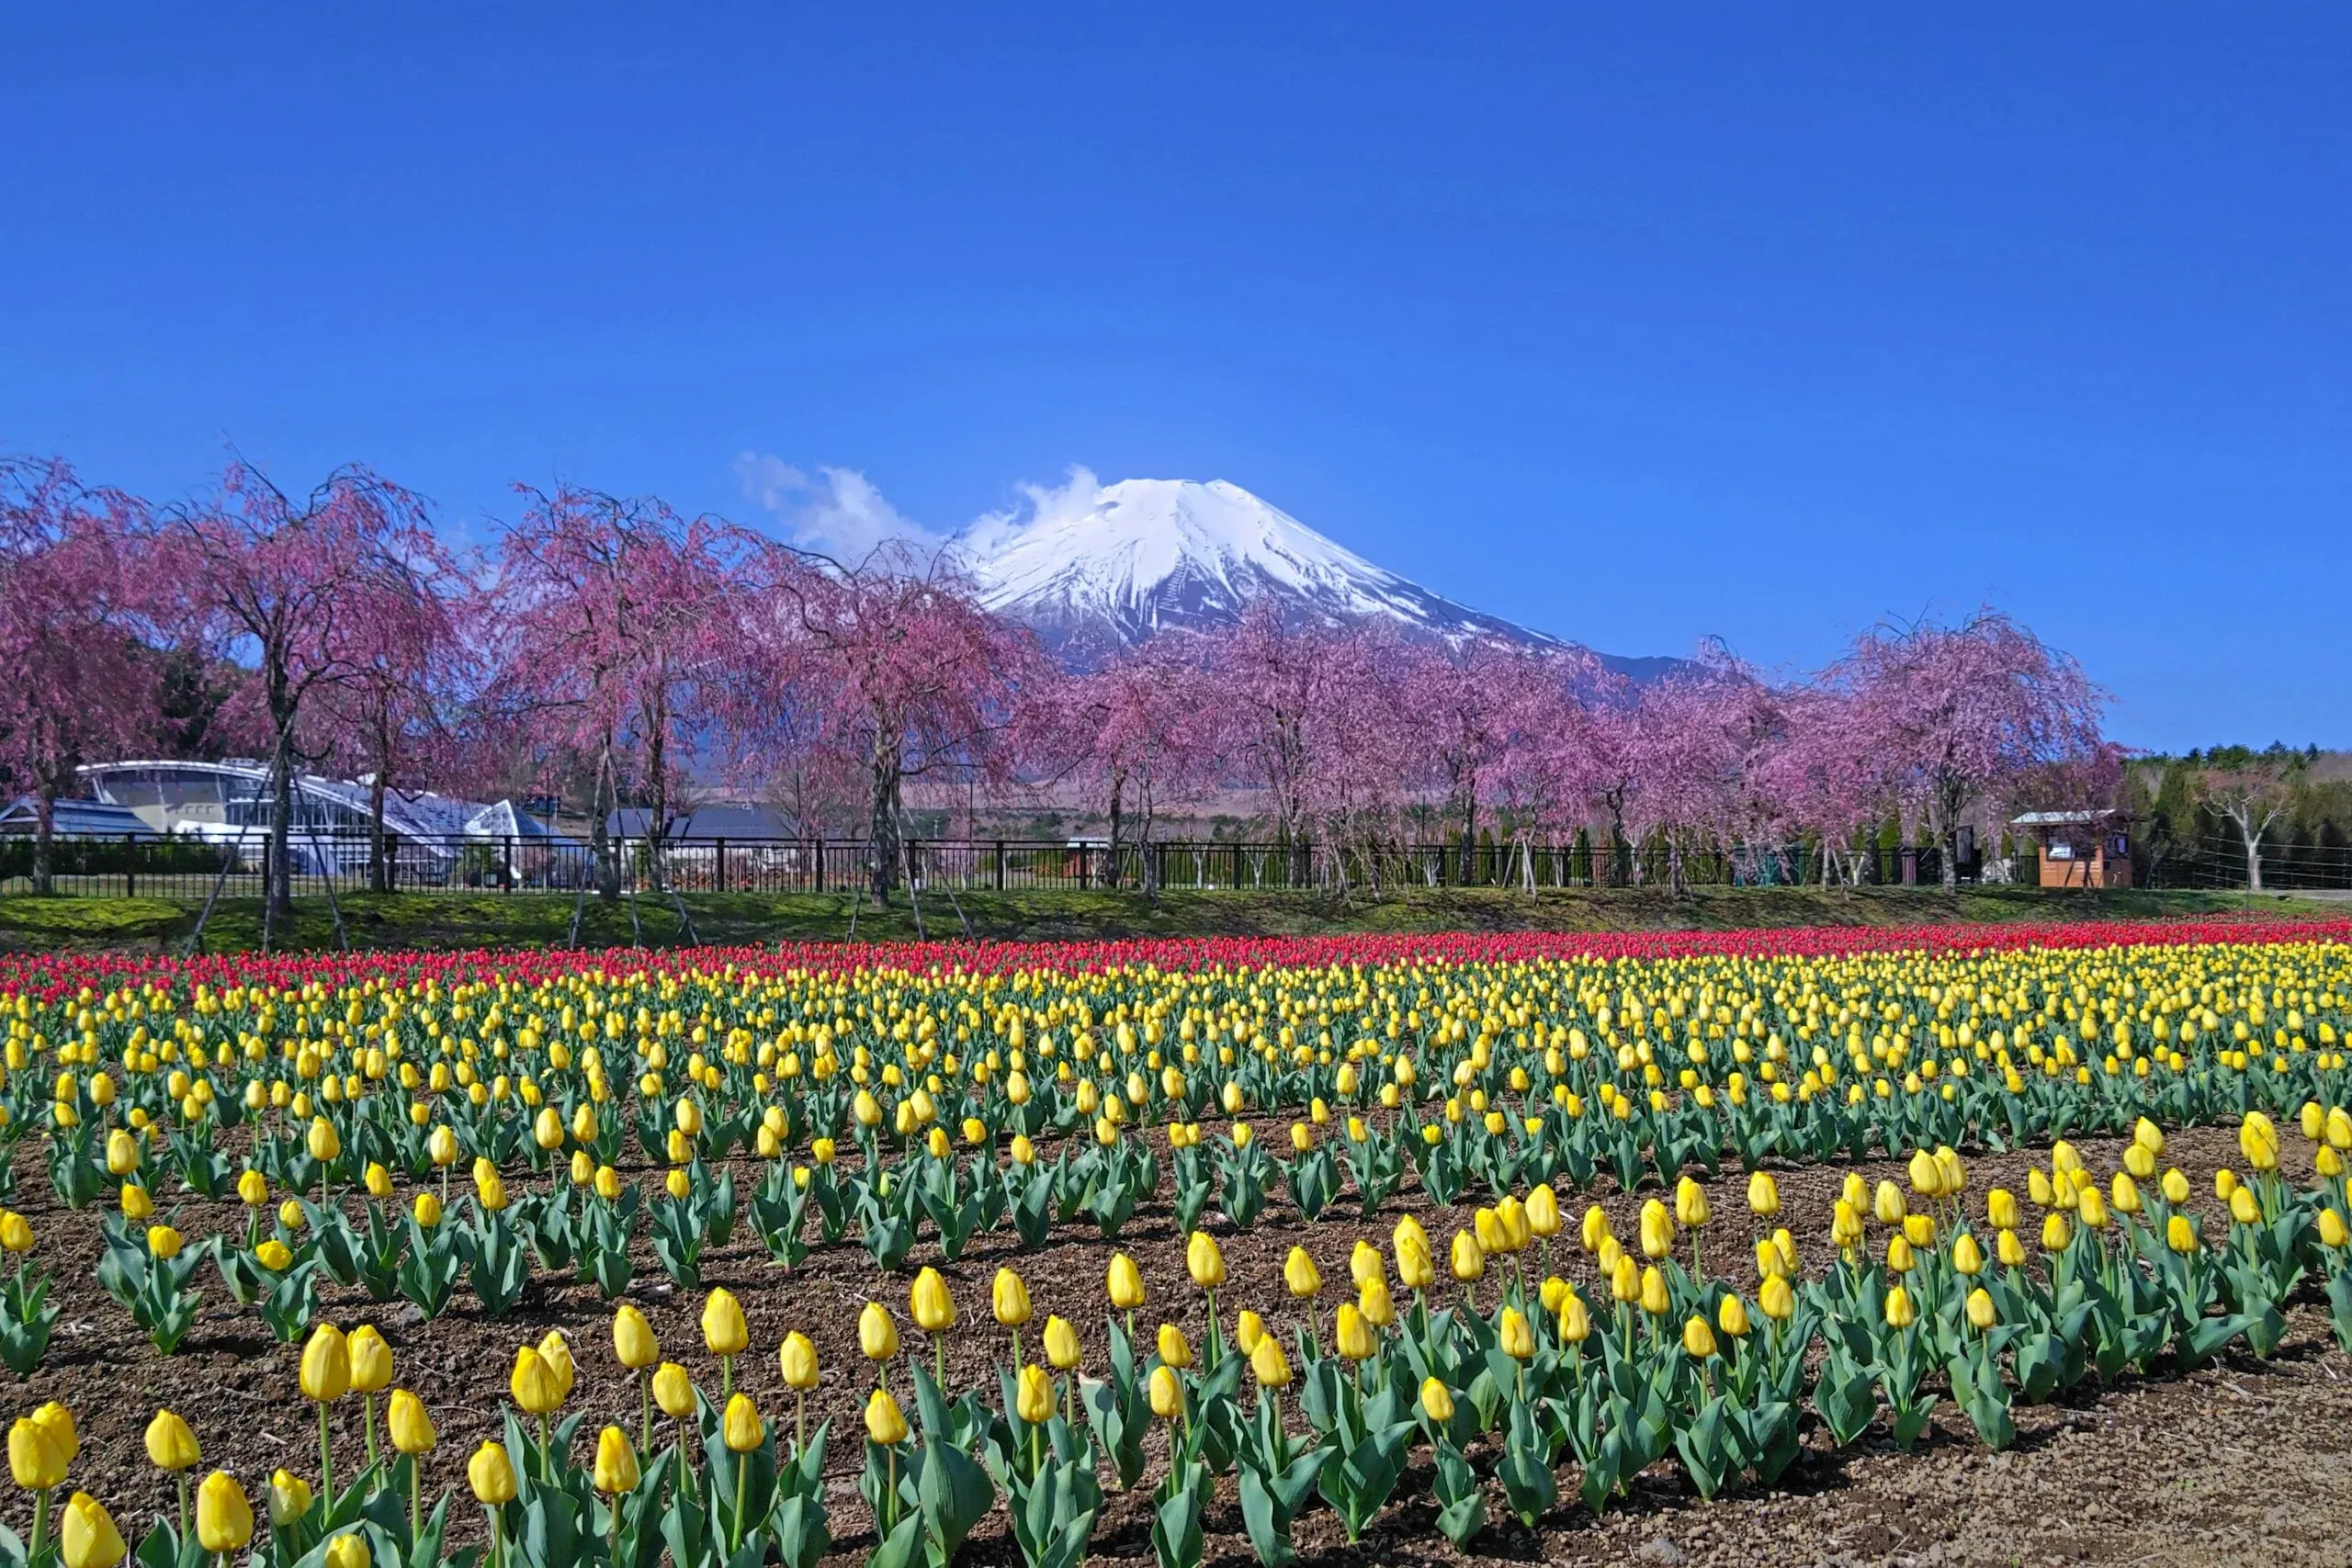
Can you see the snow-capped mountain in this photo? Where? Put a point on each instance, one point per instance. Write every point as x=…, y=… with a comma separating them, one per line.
x=1094, y=567
x=1152, y=553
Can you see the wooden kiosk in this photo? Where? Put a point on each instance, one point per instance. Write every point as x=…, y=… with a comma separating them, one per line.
x=2080, y=849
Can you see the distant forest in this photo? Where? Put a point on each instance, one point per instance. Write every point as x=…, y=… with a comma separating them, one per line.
x=2194, y=815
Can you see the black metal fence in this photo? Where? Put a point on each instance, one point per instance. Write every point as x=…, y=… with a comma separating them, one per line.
x=190, y=868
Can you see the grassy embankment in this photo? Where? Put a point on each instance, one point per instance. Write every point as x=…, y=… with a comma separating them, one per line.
x=448, y=921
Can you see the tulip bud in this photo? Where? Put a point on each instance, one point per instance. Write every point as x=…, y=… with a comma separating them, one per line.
x=1354, y=1335
x=224, y=1519
x=1515, y=1336
x=1248, y=1329
x=34, y=1457
x=1763, y=1195
x=1204, y=1261
x=1654, y=1296
x=2332, y=1232
x=1888, y=1204
x=724, y=1331
x=170, y=1445
x=1966, y=1256
x=490, y=1474
x=673, y=1391
x=1468, y=1260
x=411, y=1423
x=2180, y=1236
x=2055, y=1231
x=877, y=1333
x=1981, y=1316
x=325, y=1372
x=1900, y=1311
x=1731, y=1316
x=741, y=1428
x=289, y=1499
x=556, y=1351
x=932, y=1307
x=1061, y=1344
x=1691, y=1203
x=87, y=1535
x=1126, y=1284
x=633, y=1339
x=534, y=1384
x=1777, y=1299
x=1437, y=1402
x=1033, y=1397
x=797, y=1359
x=1167, y=1393
x=371, y=1361
x=1009, y=1299
x=1268, y=1364
x=615, y=1474
x=1175, y=1350
x=1300, y=1275
x=883, y=1421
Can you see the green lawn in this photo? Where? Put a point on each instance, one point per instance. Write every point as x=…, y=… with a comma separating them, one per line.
x=448, y=921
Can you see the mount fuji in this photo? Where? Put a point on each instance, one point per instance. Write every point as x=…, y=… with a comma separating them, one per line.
x=1093, y=568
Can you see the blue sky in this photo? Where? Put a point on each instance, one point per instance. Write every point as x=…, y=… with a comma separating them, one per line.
x=1762, y=321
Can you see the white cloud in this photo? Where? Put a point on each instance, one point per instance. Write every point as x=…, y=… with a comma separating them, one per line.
x=837, y=510
x=1074, y=497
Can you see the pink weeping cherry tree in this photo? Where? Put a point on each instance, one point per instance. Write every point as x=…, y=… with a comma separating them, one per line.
x=287, y=588
x=1962, y=715
x=616, y=642
x=891, y=669
x=77, y=604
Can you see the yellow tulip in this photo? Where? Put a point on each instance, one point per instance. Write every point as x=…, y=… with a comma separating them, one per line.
x=883, y=1421
x=1353, y=1335
x=347, y=1550
x=1516, y=1337
x=673, y=1391
x=1204, y=1261
x=224, y=1519
x=1126, y=1284
x=1691, y=1203
x=1698, y=1337
x=1061, y=1344
x=796, y=1358
x=411, y=1423
x=1900, y=1311
x=1763, y=1195
x=491, y=1475
x=1167, y=1393
x=1981, y=1313
x=556, y=1353
x=1299, y=1274
x=741, y=1428
x=289, y=1499
x=1378, y=1307
x=616, y=1472
x=1033, y=1397
x=1268, y=1365
x=877, y=1333
x=34, y=1458
x=1174, y=1348
x=1654, y=1297
x=371, y=1361
x=633, y=1339
x=724, y=1332
x=325, y=1372
x=1009, y=1299
x=1437, y=1402
x=534, y=1384
x=87, y=1535
x=170, y=1445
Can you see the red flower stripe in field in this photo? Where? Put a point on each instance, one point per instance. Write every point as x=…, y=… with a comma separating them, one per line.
x=45, y=977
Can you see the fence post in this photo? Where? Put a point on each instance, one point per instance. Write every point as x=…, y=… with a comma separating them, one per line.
x=1000, y=865
x=130, y=866
x=719, y=865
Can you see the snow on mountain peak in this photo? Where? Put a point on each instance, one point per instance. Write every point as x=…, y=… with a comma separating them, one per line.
x=1117, y=562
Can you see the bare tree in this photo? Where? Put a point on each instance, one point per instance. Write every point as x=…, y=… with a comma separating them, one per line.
x=2252, y=801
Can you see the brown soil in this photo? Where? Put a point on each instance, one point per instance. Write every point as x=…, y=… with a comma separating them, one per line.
x=2242, y=1462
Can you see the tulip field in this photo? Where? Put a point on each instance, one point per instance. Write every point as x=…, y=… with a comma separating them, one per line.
x=1186, y=1252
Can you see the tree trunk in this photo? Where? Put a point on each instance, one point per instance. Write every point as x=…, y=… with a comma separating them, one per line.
x=2253, y=861
x=45, y=839
x=881, y=824
x=279, y=857
x=600, y=830
x=1118, y=799
x=379, y=863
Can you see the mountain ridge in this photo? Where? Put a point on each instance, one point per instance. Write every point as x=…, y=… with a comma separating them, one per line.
x=1095, y=571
